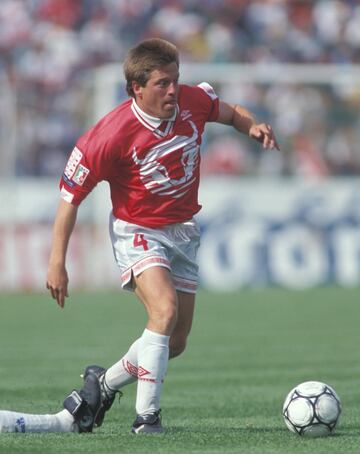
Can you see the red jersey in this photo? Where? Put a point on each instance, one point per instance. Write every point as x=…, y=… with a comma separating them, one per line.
x=152, y=165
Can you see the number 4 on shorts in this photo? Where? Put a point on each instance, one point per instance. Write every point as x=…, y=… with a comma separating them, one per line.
x=139, y=240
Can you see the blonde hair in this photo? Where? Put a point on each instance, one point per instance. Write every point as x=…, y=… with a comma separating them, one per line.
x=147, y=56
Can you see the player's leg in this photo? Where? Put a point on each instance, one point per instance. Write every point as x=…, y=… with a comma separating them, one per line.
x=186, y=240
x=79, y=414
x=12, y=422
x=145, y=252
x=147, y=357
x=138, y=251
x=178, y=338
x=155, y=289
x=125, y=371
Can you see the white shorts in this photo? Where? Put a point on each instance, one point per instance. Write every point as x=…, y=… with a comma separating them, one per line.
x=174, y=247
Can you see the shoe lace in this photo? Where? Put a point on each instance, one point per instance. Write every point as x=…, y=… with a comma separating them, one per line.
x=109, y=394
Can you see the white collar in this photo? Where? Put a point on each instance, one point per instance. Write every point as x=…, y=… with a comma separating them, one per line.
x=150, y=122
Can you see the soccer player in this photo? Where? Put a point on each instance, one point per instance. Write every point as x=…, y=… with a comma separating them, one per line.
x=148, y=150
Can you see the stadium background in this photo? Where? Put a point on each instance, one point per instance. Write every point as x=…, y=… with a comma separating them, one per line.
x=289, y=218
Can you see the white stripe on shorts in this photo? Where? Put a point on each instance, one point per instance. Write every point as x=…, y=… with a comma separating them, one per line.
x=143, y=265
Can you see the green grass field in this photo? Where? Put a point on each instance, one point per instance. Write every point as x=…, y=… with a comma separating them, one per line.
x=224, y=395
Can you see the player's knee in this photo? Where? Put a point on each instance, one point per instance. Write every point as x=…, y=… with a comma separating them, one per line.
x=168, y=316
x=165, y=316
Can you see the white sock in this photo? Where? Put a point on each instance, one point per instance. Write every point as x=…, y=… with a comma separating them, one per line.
x=153, y=357
x=124, y=371
x=11, y=421
x=66, y=421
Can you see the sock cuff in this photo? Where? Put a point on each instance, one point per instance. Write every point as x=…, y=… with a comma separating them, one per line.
x=151, y=336
x=108, y=388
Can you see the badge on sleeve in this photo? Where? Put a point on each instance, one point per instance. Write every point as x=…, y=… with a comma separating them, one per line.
x=73, y=162
x=80, y=174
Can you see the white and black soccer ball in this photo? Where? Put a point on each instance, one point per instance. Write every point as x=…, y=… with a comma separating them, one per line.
x=312, y=409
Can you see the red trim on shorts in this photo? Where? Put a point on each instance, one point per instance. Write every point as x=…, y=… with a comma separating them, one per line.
x=185, y=284
x=141, y=265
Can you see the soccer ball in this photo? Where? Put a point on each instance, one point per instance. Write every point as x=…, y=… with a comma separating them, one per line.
x=312, y=409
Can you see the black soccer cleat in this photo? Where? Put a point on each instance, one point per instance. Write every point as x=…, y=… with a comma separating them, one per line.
x=148, y=424
x=85, y=404
x=107, y=395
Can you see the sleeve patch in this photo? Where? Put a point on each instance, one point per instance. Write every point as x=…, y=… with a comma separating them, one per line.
x=81, y=174
x=66, y=195
x=73, y=162
x=208, y=89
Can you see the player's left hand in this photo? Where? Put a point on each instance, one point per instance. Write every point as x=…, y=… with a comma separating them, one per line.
x=264, y=134
x=57, y=283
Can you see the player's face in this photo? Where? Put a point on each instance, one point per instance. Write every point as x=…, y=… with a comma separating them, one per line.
x=159, y=96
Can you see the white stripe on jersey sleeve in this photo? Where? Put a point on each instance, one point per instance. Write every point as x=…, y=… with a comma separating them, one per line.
x=208, y=89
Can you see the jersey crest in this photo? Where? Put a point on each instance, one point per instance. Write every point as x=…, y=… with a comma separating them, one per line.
x=155, y=172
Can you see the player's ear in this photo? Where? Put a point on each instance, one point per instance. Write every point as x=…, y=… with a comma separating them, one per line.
x=137, y=89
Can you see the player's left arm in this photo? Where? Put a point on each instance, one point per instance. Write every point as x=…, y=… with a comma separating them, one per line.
x=243, y=121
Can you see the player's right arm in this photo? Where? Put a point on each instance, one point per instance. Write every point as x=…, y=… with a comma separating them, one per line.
x=57, y=277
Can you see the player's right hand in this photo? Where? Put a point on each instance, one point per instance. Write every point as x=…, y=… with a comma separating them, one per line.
x=57, y=283
x=264, y=134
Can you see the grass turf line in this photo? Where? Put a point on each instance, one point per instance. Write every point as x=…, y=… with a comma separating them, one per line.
x=224, y=395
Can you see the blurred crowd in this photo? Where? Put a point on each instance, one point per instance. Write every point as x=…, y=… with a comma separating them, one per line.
x=48, y=47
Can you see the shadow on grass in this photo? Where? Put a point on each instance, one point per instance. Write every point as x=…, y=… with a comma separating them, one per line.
x=224, y=430
x=346, y=432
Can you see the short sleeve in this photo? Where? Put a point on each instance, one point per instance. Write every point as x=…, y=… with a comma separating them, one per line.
x=88, y=164
x=211, y=100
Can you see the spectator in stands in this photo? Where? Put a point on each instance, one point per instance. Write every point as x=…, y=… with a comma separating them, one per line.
x=48, y=46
